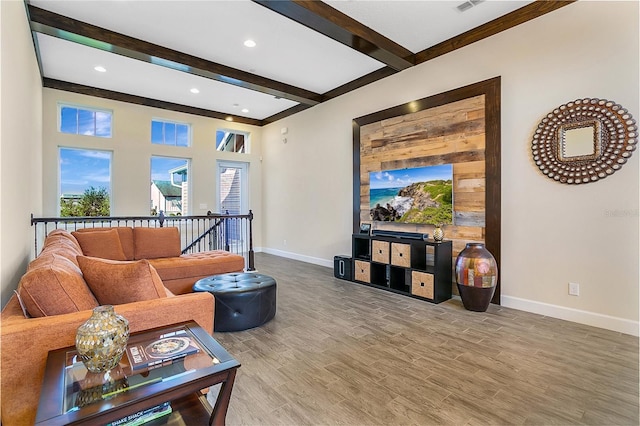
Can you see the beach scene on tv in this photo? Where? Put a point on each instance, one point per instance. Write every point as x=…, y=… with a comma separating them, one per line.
x=422, y=195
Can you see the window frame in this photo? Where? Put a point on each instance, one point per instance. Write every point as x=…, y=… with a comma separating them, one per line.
x=188, y=160
x=61, y=105
x=175, y=122
x=59, y=173
x=247, y=138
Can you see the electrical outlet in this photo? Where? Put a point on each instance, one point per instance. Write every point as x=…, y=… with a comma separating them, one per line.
x=574, y=289
x=285, y=242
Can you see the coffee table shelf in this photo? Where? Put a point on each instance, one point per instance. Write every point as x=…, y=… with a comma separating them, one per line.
x=72, y=395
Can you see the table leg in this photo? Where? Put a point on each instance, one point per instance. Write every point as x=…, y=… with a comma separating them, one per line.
x=219, y=414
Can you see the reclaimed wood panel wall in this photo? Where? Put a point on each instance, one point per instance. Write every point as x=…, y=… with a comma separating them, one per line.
x=460, y=127
x=448, y=134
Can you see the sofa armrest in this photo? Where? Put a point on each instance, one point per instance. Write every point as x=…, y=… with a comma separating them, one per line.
x=26, y=343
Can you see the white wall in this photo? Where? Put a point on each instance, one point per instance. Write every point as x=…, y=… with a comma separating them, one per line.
x=132, y=150
x=20, y=144
x=551, y=233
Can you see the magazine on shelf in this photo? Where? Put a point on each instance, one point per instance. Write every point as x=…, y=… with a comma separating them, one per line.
x=144, y=416
x=156, y=350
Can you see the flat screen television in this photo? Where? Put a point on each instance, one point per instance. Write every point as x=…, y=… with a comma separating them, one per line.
x=421, y=195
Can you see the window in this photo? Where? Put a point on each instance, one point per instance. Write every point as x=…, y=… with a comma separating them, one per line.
x=230, y=141
x=85, y=121
x=170, y=133
x=233, y=187
x=85, y=182
x=169, y=186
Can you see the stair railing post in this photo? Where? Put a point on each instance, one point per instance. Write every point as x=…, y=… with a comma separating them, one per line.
x=251, y=255
x=226, y=232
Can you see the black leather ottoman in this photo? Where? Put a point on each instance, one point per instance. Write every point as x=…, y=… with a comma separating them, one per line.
x=243, y=299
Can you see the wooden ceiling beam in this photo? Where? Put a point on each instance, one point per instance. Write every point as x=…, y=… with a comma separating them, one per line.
x=505, y=22
x=517, y=17
x=69, y=29
x=140, y=100
x=334, y=24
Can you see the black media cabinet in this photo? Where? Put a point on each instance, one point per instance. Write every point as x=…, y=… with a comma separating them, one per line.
x=416, y=268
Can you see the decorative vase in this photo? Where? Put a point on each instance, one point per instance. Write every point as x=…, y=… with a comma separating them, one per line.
x=102, y=340
x=476, y=275
x=438, y=234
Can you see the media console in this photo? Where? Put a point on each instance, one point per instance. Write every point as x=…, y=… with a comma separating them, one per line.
x=404, y=264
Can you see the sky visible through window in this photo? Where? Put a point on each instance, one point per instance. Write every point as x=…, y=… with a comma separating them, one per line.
x=160, y=167
x=86, y=122
x=81, y=169
x=168, y=133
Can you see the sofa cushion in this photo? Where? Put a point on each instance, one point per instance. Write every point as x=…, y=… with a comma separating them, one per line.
x=154, y=243
x=103, y=244
x=53, y=285
x=125, y=234
x=58, y=234
x=207, y=263
x=117, y=282
x=61, y=249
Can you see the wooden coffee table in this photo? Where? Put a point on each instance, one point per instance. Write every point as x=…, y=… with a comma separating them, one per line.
x=72, y=395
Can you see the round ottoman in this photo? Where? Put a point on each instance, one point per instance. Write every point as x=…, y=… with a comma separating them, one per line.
x=243, y=299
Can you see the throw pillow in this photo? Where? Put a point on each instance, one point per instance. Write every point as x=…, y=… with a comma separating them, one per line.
x=103, y=244
x=53, y=287
x=124, y=232
x=117, y=282
x=153, y=243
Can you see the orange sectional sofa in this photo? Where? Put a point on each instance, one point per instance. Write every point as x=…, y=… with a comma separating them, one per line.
x=161, y=247
x=67, y=280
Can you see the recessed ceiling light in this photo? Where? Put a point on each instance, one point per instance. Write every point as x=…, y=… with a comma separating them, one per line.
x=100, y=68
x=194, y=90
x=250, y=43
x=229, y=118
x=245, y=110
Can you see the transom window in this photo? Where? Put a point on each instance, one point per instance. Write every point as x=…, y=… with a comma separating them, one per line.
x=85, y=121
x=164, y=132
x=232, y=141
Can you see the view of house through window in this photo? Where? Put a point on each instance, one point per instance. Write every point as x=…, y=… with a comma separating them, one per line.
x=85, y=182
x=169, y=186
x=230, y=141
x=169, y=133
x=232, y=191
x=232, y=195
x=85, y=121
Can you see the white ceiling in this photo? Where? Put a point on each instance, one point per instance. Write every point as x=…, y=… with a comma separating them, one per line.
x=286, y=51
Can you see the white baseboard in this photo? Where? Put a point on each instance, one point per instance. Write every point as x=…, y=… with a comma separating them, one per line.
x=300, y=257
x=608, y=322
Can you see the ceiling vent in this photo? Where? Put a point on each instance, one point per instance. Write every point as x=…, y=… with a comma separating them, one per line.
x=463, y=7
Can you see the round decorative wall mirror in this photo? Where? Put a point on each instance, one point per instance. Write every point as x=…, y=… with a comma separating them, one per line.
x=584, y=141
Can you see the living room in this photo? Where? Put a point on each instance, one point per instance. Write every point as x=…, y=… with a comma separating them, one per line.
x=301, y=191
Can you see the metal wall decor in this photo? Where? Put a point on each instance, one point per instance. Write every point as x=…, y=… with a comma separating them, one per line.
x=584, y=141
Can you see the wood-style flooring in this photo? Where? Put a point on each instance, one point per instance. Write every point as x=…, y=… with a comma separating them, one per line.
x=344, y=353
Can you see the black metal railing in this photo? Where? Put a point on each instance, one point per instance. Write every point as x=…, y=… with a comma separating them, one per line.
x=229, y=232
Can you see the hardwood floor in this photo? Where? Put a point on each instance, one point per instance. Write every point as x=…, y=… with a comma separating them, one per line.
x=343, y=353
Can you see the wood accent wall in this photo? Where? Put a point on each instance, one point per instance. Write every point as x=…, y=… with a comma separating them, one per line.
x=460, y=127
